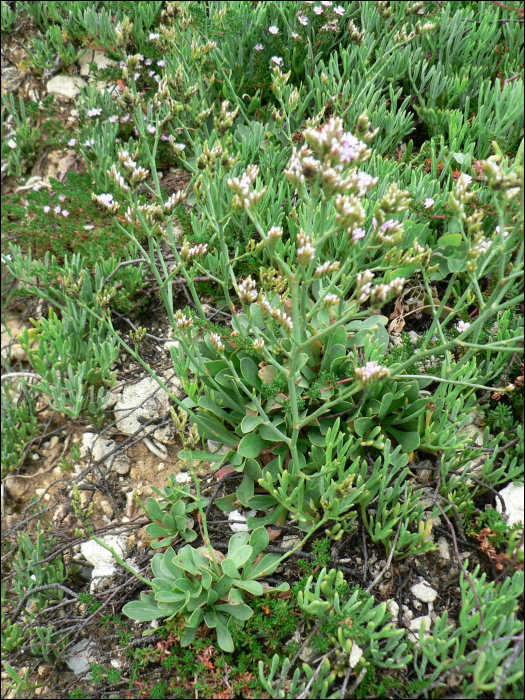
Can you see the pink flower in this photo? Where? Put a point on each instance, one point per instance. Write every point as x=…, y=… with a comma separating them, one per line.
x=47, y=210
x=136, y=76
x=318, y=10
x=161, y=64
x=302, y=20
x=148, y=62
x=122, y=64
x=273, y=30
x=72, y=143
x=429, y=203
x=57, y=210
x=65, y=213
x=258, y=47
x=62, y=197
x=462, y=326
x=151, y=129
x=358, y=234
x=95, y=112
x=124, y=119
x=339, y=10
x=277, y=60
x=295, y=36
x=113, y=119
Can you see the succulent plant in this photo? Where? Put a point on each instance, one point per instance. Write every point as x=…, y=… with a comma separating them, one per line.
x=205, y=586
x=171, y=519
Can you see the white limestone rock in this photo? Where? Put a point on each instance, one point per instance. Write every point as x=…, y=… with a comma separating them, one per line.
x=512, y=494
x=142, y=400
x=101, y=447
x=424, y=592
x=103, y=562
x=93, y=56
x=66, y=87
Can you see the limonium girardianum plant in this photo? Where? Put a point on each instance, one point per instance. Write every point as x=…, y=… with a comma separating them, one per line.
x=309, y=350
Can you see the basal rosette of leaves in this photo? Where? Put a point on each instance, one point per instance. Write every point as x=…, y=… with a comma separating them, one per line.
x=205, y=586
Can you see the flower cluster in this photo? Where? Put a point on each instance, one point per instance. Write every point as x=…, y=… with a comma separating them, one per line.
x=349, y=213
x=334, y=151
x=183, y=321
x=247, y=291
x=356, y=37
x=364, y=286
x=224, y=122
x=326, y=269
x=282, y=319
x=117, y=178
x=173, y=200
x=244, y=198
x=258, y=344
x=390, y=232
x=188, y=253
x=216, y=341
x=106, y=201
x=152, y=214
x=461, y=196
x=370, y=373
x=497, y=179
x=331, y=300
x=305, y=250
x=405, y=34
x=274, y=236
x=382, y=293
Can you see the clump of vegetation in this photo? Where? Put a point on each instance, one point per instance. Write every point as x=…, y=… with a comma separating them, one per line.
x=360, y=366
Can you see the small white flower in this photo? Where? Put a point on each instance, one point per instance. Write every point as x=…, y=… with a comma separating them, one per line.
x=65, y=213
x=327, y=3
x=152, y=73
x=151, y=129
x=339, y=10
x=72, y=143
x=429, y=203
x=47, y=210
x=136, y=76
x=57, y=210
x=277, y=60
x=303, y=20
x=462, y=326
x=258, y=47
x=62, y=197
x=113, y=119
x=318, y=10
x=96, y=112
x=273, y=30
x=124, y=119
x=331, y=299
x=153, y=36
x=8, y=257
x=122, y=64
x=295, y=36
x=161, y=63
